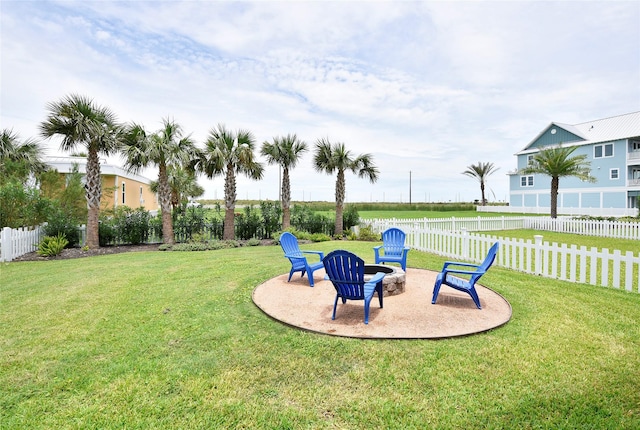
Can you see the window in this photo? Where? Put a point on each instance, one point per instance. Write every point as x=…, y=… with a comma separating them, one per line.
x=614, y=173
x=529, y=160
x=526, y=181
x=600, y=151
x=123, y=193
x=141, y=199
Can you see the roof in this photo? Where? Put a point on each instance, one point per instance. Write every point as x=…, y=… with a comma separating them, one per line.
x=65, y=165
x=602, y=130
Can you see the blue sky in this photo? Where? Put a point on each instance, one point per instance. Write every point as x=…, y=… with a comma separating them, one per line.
x=427, y=88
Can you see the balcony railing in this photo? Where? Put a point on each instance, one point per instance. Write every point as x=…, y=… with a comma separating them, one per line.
x=633, y=183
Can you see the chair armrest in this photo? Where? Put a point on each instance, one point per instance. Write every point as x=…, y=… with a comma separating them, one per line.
x=455, y=263
x=377, y=247
x=376, y=278
x=463, y=272
x=320, y=253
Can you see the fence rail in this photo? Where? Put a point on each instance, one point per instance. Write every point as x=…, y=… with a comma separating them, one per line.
x=552, y=260
x=601, y=228
x=15, y=242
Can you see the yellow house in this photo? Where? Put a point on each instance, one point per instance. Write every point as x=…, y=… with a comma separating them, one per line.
x=119, y=187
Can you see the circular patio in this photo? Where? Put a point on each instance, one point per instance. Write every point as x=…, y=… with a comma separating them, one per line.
x=405, y=316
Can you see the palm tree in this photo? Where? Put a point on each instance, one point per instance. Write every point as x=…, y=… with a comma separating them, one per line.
x=81, y=122
x=19, y=158
x=557, y=162
x=168, y=150
x=230, y=153
x=480, y=172
x=285, y=151
x=331, y=158
x=183, y=183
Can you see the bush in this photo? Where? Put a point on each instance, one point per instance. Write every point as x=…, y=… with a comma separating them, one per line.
x=188, y=223
x=107, y=233
x=350, y=217
x=247, y=224
x=52, y=245
x=366, y=233
x=132, y=225
x=303, y=218
x=202, y=246
x=320, y=237
x=271, y=215
x=61, y=223
x=253, y=242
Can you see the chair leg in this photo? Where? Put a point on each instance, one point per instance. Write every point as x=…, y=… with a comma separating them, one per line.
x=436, y=289
x=366, y=310
x=474, y=296
x=380, y=291
x=335, y=305
x=290, y=275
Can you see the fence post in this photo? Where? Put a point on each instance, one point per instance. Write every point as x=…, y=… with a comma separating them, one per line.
x=465, y=243
x=7, y=245
x=538, y=247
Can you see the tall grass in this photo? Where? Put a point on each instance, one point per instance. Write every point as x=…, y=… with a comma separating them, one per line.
x=173, y=340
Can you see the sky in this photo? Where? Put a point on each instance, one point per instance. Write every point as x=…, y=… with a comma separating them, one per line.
x=427, y=88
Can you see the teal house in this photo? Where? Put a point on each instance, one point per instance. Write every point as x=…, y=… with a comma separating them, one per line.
x=612, y=146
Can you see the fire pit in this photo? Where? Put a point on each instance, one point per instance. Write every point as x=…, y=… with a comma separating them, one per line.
x=394, y=278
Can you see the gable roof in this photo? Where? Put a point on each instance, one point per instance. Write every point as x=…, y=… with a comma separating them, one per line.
x=601, y=130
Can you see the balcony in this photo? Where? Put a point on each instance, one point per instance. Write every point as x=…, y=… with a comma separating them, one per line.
x=633, y=183
x=633, y=157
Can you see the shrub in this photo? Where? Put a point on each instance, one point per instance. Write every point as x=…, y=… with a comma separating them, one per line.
x=52, y=245
x=350, y=217
x=60, y=222
x=132, y=226
x=271, y=214
x=188, y=223
x=247, y=224
x=320, y=237
x=253, y=242
x=303, y=218
x=106, y=232
x=366, y=233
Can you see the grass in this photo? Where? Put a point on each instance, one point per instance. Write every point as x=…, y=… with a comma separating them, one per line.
x=173, y=340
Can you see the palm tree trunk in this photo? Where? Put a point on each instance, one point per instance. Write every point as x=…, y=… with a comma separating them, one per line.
x=340, y=187
x=229, y=204
x=555, y=182
x=484, y=201
x=164, y=195
x=286, y=199
x=93, y=194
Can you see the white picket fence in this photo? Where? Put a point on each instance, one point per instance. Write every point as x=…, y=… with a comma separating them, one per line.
x=15, y=242
x=537, y=257
x=615, y=229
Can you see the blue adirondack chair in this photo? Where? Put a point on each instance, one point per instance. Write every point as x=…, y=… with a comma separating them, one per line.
x=346, y=272
x=394, y=250
x=299, y=262
x=473, y=271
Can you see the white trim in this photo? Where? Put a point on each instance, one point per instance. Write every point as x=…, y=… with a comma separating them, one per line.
x=614, y=169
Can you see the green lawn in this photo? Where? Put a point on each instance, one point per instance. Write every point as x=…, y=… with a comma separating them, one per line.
x=173, y=340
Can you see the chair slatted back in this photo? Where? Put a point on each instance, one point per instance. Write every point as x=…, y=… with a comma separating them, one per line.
x=346, y=272
x=393, y=241
x=289, y=245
